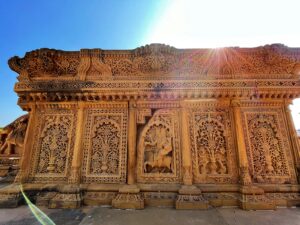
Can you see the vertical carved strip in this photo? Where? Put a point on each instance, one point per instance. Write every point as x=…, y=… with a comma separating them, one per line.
x=242, y=153
x=293, y=136
x=25, y=161
x=186, y=150
x=77, y=155
x=131, y=177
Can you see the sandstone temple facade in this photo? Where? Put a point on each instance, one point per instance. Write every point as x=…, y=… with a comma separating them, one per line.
x=158, y=126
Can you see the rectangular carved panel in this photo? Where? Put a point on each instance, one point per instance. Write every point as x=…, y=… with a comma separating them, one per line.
x=158, y=148
x=105, y=144
x=213, y=151
x=53, y=145
x=268, y=148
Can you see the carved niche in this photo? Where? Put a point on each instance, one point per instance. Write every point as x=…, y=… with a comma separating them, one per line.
x=268, y=149
x=53, y=145
x=105, y=149
x=213, y=154
x=158, y=149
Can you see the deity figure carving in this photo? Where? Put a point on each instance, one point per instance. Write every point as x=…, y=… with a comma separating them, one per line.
x=12, y=136
x=158, y=150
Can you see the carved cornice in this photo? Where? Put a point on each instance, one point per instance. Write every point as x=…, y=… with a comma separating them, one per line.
x=157, y=61
x=157, y=71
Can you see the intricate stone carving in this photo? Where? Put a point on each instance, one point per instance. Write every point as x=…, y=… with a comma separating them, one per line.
x=45, y=63
x=158, y=148
x=266, y=154
x=12, y=136
x=156, y=59
x=212, y=153
x=213, y=118
x=105, y=145
x=53, y=147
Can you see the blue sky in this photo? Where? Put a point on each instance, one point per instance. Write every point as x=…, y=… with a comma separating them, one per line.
x=26, y=25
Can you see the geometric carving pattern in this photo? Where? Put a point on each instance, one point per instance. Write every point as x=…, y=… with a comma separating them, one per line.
x=105, y=145
x=53, y=147
x=158, y=149
x=268, y=149
x=213, y=153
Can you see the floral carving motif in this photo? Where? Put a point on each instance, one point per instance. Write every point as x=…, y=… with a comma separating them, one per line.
x=268, y=157
x=105, y=144
x=46, y=62
x=54, y=145
x=262, y=62
x=211, y=145
x=105, y=148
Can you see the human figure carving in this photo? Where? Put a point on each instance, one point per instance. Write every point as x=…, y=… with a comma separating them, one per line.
x=159, y=153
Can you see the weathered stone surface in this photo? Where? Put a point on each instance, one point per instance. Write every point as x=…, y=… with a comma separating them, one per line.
x=129, y=127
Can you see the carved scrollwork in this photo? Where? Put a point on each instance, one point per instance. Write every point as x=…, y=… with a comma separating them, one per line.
x=105, y=147
x=212, y=147
x=53, y=145
x=105, y=139
x=267, y=155
x=46, y=63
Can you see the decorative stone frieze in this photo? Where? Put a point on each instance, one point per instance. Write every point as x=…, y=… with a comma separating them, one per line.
x=159, y=126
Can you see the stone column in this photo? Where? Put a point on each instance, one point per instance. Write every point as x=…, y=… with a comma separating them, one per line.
x=293, y=137
x=129, y=196
x=25, y=161
x=245, y=178
x=131, y=177
x=189, y=196
x=186, y=149
x=77, y=154
x=252, y=197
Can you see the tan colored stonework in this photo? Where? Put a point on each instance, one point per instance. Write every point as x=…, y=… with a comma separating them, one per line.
x=156, y=125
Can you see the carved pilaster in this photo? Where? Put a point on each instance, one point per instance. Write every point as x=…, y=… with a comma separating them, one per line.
x=25, y=161
x=245, y=178
x=186, y=150
x=131, y=175
x=77, y=155
x=293, y=137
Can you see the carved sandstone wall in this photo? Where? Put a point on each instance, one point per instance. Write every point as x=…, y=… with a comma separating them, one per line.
x=160, y=126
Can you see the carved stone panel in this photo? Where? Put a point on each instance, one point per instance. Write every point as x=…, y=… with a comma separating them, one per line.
x=158, y=148
x=268, y=149
x=53, y=145
x=105, y=145
x=213, y=152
